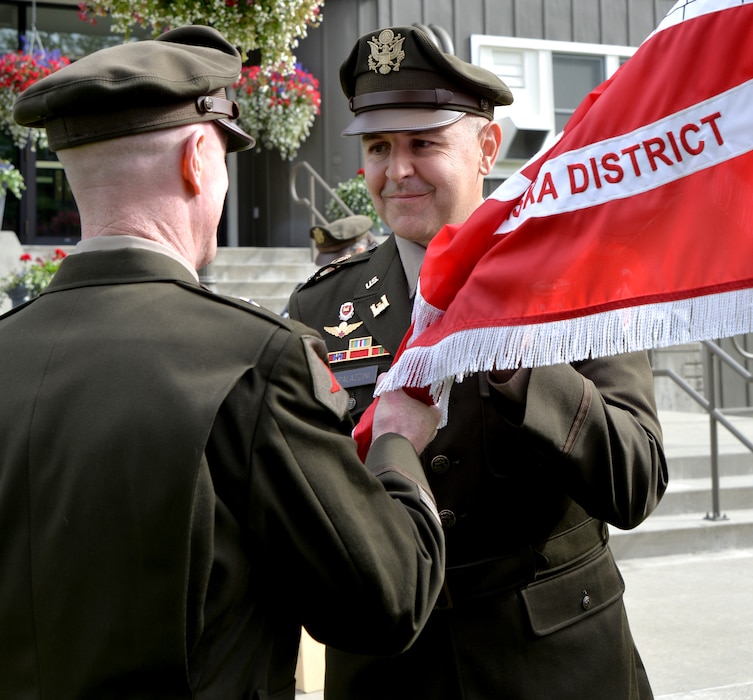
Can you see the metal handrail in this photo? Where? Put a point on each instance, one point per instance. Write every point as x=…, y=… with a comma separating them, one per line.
x=314, y=179
x=714, y=356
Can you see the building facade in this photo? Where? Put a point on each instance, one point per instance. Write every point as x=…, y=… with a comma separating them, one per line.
x=550, y=52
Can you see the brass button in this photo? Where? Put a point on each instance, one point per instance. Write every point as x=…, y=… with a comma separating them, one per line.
x=440, y=464
x=586, y=600
x=448, y=518
x=351, y=402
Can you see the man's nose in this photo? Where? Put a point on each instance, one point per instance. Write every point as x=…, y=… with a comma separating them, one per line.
x=400, y=165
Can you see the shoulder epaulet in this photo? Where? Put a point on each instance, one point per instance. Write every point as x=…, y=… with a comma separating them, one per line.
x=244, y=303
x=336, y=265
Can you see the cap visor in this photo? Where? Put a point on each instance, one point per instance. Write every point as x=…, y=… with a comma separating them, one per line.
x=237, y=139
x=383, y=120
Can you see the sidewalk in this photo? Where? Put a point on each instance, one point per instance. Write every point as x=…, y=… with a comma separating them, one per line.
x=692, y=619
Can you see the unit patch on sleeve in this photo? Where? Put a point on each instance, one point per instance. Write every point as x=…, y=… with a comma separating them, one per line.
x=324, y=384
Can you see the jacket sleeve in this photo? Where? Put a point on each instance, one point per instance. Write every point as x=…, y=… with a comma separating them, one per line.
x=595, y=424
x=363, y=544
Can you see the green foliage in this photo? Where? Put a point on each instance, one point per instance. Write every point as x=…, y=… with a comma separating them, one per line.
x=356, y=197
x=274, y=27
x=34, y=275
x=11, y=179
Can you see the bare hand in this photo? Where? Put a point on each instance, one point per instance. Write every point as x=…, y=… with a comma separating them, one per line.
x=396, y=412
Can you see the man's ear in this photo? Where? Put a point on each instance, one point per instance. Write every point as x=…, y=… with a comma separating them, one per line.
x=491, y=140
x=192, y=162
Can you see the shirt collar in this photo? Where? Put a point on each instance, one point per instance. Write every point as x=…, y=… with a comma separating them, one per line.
x=411, y=257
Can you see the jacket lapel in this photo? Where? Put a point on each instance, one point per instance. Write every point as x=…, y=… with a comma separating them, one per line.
x=381, y=297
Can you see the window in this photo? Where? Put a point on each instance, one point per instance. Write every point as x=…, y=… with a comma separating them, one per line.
x=573, y=77
x=48, y=214
x=548, y=79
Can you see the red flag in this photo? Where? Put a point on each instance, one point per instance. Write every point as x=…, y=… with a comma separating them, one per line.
x=634, y=230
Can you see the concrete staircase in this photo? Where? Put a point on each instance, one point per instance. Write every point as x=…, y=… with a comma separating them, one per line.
x=685, y=521
x=264, y=275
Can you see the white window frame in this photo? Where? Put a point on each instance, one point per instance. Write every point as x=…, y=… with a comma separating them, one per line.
x=530, y=73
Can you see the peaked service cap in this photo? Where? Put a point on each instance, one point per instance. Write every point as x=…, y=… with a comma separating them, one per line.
x=397, y=79
x=341, y=231
x=178, y=78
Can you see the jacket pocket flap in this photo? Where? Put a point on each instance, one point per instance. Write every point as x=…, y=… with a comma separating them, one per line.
x=562, y=600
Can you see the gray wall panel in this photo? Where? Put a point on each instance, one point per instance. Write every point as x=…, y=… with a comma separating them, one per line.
x=586, y=21
x=558, y=20
x=614, y=24
x=499, y=18
x=529, y=18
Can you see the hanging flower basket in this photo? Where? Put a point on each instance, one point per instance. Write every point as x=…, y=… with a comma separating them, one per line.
x=271, y=26
x=278, y=108
x=11, y=179
x=18, y=71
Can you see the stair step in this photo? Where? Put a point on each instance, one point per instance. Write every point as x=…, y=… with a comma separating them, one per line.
x=271, y=295
x=262, y=272
x=683, y=521
x=253, y=255
x=267, y=276
x=699, y=466
x=683, y=533
x=695, y=495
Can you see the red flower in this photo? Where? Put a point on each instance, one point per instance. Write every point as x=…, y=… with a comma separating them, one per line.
x=25, y=257
x=20, y=70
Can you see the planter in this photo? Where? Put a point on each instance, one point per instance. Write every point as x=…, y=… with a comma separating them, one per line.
x=18, y=295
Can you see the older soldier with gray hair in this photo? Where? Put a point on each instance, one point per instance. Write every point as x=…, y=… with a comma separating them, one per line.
x=179, y=490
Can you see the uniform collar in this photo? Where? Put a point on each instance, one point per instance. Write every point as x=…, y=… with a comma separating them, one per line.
x=101, y=243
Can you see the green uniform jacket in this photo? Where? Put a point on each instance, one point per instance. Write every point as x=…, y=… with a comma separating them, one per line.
x=179, y=492
x=532, y=607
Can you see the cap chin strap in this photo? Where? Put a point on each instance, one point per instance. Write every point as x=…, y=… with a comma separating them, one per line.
x=213, y=104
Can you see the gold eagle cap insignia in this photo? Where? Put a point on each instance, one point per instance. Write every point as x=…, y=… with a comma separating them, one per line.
x=343, y=329
x=386, y=52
